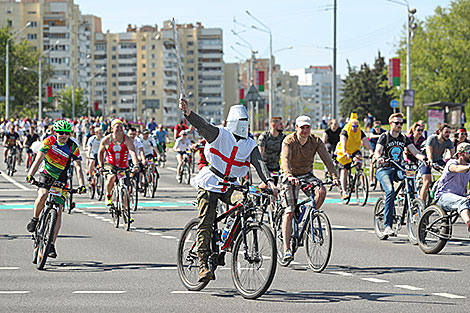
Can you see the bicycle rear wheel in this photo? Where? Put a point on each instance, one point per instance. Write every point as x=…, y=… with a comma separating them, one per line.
x=253, y=270
x=125, y=208
x=348, y=191
x=412, y=219
x=133, y=194
x=149, y=183
x=186, y=176
x=187, y=259
x=156, y=176
x=114, y=209
x=433, y=230
x=379, y=218
x=362, y=189
x=69, y=204
x=318, y=242
x=93, y=186
x=100, y=187
x=46, y=237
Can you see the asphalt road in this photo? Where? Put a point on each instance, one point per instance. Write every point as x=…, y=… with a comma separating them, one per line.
x=103, y=269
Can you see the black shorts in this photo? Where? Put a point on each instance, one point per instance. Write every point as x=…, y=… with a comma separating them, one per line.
x=348, y=165
x=49, y=181
x=149, y=157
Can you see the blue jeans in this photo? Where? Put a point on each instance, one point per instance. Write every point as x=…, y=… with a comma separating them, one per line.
x=452, y=202
x=385, y=176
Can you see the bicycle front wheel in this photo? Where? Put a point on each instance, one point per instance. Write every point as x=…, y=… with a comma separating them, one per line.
x=100, y=187
x=318, y=242
x=115, y=212
x=362, y=189
x=134, y=195
x=187, y=259
x=433, y=230
x=412, y=219
x=46, y=237
x=156, y=176
x=279, y=238
x=253, y=268
x=379, y=218
x=125, y=208
x=93, y=187
x=69, y=200
x=186, y=176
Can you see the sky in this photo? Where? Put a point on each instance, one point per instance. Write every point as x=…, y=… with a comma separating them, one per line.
x=364, y=27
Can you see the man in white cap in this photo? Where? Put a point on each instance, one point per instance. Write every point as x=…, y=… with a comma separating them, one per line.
x=452, y=186
x=230, y=152
x=297, y=158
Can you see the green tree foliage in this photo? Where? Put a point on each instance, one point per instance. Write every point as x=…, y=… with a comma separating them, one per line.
x=365, y=90
x=440, y=62
x=64, y=100
x=24, y=78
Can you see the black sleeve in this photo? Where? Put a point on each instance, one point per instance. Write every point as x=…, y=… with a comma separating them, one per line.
x=205, y=129
x=344, y=133
x=362, y=134
x=258, y=163
x=382, y=139
x=408, y=141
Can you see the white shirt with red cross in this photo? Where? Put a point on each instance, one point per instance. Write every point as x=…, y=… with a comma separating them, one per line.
x=229, y=156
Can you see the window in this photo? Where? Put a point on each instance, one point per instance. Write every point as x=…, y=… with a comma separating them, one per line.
x=153, y=83
x=190, y=52
x=32, y=36
x=143, y=56
x=153, y=47
x=190, y=43
x=114, y=93
x=153, y=92
x=113, y=75
x=33, y=24
x=113, y=48
x=153, y=74
x=114, y=84
x=144, y=74
x=190, y=78
x=113, y=66
x=113, y=57
x=10, y=23
x=190, y=69
x=153, y=55
x=153, y=65
x=143, y=47
x=189, y=61
x=114, y=102
x=143, y=65
x=190, y=87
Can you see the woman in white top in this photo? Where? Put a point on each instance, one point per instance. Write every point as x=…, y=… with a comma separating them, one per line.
x=182, y=145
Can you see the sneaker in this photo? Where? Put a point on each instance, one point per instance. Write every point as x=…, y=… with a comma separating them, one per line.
x=52, y=252
x=288, y=256
x=388, y=231
x=109, y=200
x=31, y=227
x=205, y=274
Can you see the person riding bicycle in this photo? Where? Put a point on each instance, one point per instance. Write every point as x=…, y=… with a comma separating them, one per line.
x=229, y=152
x=374, y=136
x=451, y=191
x=349, y=149
x=11, y=140
x=297, y=158
x=391, y=146
x=117, y=146
x=270, y=145
x=162, y=138
x=181, y=147
x=149, y=146
x=29, y=139
x=58, y=151
x=331, y=136
x=93, y=146
x=436, y=145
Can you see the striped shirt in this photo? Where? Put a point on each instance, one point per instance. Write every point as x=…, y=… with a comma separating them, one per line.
x=57, y=155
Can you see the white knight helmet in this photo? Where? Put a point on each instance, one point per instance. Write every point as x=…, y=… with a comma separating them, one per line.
x=237, y=120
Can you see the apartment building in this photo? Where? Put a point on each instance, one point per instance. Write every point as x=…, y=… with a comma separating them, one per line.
x=315, y=87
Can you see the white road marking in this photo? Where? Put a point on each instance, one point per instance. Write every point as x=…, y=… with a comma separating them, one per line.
x=99, y=291
x=408, y=287
x=9, y=268
x=371, y=232
x=169, y=237
x=189, y=292
x=92, y=215
x=162, y=268
x=21, y=209
x=295, y=263
x=154, y=234
x=338, y=226
x=106, y=220
x=12, y=292
x=360, y=230
x=100, y=217
x=14, y=182
x=342, y=273
x=375, y=280
x=141, y=230
x=448, y=295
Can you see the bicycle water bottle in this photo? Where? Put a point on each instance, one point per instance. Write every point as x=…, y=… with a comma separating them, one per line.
x=226, y=229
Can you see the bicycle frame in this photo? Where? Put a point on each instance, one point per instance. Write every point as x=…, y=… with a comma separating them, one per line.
x=451, y=217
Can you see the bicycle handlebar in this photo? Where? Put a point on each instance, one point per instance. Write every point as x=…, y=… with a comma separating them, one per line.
x=43, y=185
x=246, y=188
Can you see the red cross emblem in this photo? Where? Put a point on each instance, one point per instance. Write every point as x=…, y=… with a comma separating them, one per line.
x=230, y=161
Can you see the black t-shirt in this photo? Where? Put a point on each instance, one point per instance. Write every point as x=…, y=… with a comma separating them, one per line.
x=332, y=136
x=12, y=138
x=345, y=134
x=393, y=147
x=31, y=138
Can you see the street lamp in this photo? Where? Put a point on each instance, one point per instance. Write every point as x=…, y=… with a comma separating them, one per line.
x=7, y=87
x=283, y=49
x=271, y=81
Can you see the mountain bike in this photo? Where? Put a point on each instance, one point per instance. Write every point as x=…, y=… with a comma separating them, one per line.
x=97, y=185
x=408, y=207
x=69, y=203
x=151, y=177
x=310, y=227
x=419, y=181
x=356, y=183
x=11, y=160
x=250, y=241
x=121, y=206
x=435, y=228
x=134, y=190
x=185, y=169
x=43, y=235
x=30, y=160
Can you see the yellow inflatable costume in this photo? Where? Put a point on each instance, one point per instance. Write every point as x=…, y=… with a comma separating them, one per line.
x=353, y=142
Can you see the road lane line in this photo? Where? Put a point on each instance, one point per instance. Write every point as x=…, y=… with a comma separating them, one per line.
x=141, y=230
x=169, y=237
x=342, y=273
x=408, y=287
x=448, y=295
x=162, y=268
x=14, y=182
x=9, y=268
x=154, y=234
x=21, y=209
x=375, y=280
x=98, y=291
x=106, y=220
x=12, y=292
x=360, y=230
x=189, y=292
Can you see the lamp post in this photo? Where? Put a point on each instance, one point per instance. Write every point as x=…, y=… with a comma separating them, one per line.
x=271, y=80
x=7, y=80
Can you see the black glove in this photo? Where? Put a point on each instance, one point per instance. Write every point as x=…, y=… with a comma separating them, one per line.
x=81, y=189
x=30, y=179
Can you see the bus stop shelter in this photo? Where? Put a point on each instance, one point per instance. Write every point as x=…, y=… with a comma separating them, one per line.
x=443, y=112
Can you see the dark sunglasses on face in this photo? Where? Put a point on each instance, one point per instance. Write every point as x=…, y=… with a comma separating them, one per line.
x=463, y=134
x=420, y=130
x=355, y=126
x=63, y=133
x=398, y=123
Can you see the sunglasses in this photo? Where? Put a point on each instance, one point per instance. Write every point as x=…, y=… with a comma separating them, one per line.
x=354, y=126
x=420, y=130
x=398, y=123
x=463, y=134
x=63, y=133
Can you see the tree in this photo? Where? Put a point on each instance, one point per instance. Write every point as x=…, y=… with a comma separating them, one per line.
x=23, y=78
x=365, y=90
x=64, y=100
x=440, y=62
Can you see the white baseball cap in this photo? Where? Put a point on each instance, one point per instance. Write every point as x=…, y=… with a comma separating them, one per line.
x=303, y=120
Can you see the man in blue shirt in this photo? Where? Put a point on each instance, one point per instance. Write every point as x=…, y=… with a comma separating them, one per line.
x=151, y=125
